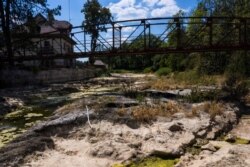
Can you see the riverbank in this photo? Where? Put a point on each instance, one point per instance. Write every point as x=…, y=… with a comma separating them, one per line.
x=128, y=122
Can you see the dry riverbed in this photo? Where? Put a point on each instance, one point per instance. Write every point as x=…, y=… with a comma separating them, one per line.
x=118, y=121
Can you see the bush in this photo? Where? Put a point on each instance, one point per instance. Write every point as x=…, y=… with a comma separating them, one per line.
x=148, y=70
x=235, y=87
x=197, y=96
x=163, y=71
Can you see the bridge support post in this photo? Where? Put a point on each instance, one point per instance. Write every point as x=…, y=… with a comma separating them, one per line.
x=84, y=42
x=243, y=24
x=120, y=33
x=113, y=36
x=210, y=25
x=245, y=32
x=144, y=33
x=178, y=27
x=149, y=35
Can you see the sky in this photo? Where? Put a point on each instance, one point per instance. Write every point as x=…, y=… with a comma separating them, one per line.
x=124, y=9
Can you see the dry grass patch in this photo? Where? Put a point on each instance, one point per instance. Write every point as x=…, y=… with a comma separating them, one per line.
x=212, y=108
x=247, y=99
x=148, y=113
x=185, y=80
x=165, y=83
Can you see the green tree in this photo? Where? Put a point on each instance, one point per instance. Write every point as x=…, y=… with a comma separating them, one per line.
x=96, y=17
x=13, y=11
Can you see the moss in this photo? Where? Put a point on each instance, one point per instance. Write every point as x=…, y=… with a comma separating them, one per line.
x=118, y=165
x=238, y=140
x=151, y=162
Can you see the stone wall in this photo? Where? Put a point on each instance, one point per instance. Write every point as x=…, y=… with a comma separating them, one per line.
x=24, y=77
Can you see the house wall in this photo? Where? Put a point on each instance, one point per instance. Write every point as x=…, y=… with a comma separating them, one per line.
x=48, y=47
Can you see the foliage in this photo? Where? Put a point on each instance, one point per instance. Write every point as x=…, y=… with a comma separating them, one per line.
x=148, y=70
x=163, y=71
x=96, y=17
x=197, y=95
x=12, y=13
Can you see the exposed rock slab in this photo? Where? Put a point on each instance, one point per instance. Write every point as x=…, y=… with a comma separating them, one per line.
x=227, y=155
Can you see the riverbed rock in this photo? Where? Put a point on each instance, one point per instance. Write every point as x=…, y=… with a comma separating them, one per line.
x=227, y=155
x=109, y=136
x=209, y=147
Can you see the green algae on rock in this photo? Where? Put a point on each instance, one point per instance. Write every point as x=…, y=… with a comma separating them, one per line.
x=241, y=141
x=151, y=162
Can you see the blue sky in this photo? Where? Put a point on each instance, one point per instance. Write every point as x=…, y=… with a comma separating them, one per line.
x=124, y=9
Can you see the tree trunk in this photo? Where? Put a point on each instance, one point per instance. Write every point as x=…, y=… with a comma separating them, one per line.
x=8, y=35
x=5, y=21
x=93, y=48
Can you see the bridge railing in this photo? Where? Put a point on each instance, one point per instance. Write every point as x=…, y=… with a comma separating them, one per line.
x=144, y=36
x=179, y=33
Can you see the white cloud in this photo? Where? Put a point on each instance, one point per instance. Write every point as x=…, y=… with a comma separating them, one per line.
x=165, y=8
x=127, y=9
x=165, y=11
x=138, y=9
x=150, y=3
x=166, y=2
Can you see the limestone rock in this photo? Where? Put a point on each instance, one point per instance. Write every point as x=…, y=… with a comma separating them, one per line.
x=209, y=147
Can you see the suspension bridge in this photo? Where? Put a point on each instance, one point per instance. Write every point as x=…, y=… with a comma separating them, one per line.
x=154, y=34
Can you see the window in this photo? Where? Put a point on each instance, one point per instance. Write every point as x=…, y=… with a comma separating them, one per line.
x=46, y=44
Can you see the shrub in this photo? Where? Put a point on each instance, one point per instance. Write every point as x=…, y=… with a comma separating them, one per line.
x=212, y=108
x=197, y=96
x=148, y=70
x=163, y=71
x=235, y=87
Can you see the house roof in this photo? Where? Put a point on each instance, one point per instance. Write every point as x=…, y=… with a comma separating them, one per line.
x=53, y=26
x=47, y=29
x=61, y=24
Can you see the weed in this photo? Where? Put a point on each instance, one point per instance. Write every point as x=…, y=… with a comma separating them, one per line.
x=185, y=80
x=197, y=95
x=129, y=90
x=212, y=108
x=247, y=99
x=147, y=113
x=122, y=111
x=235, y=87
